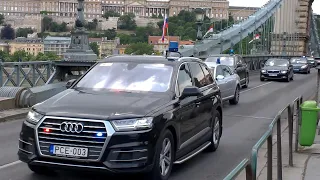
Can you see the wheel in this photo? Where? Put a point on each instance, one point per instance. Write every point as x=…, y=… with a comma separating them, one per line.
x=247, y=82
x=216, y=128
x=261, y=79
x=42, y=170
x=235, y=99
x=164, y=157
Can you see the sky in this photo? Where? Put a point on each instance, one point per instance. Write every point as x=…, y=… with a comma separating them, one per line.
x=258, y=3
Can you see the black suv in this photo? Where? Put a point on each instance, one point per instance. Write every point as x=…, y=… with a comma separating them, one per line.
x=236, y=63
x=127, y=114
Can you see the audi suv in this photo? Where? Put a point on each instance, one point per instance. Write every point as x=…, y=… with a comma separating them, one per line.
x=127, y=114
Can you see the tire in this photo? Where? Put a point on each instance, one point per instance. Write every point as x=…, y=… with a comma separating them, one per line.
x=261, y=79
x=215, y=137
x=235, y=99
x=156, y=173
x=247, y=82
x=42, y=170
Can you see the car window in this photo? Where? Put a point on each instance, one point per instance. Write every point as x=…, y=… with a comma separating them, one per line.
x=230, y=70
x=198, y=75
x=226, y=71
x=219, y=71
x=207, y=74
x=127, y=76
x=184, y=78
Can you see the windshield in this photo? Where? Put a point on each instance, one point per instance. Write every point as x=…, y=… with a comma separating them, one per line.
x=229, y=61
x=298, y=61
x=127, y=76
x=276, y=62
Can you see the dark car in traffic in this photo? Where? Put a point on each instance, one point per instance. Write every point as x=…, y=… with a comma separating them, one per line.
x=127, y=114
x=312, y=62
x=236, y=63
x=300, y=65
x=277, y=69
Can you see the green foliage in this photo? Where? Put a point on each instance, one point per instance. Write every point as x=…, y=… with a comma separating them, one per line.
x=111, y=14
x=1, y=19
x=139, y=48
x=92, y=26
x=4, y=56
x=95, y=48
x=109, y=33
x=23, y=32
x=141, y=34
x=50, y=25
x=7, y=32
x=20, y=56
x=127, y=22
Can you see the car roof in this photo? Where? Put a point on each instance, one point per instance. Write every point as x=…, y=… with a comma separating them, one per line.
x=223, y=55
x=278, y=59
x=212, y=64
x=151, y=59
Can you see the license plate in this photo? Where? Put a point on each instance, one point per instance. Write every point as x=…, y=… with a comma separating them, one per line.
x=273, y=74
x=296, y=69
x=69, y=151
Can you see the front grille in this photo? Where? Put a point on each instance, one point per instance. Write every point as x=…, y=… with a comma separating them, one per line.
x=87, y=138
x=274, y=71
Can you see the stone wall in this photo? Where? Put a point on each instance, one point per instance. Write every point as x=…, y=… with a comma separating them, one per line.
x=24, y=22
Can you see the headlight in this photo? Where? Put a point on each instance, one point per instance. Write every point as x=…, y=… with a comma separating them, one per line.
x=304, y=66
x=133, y=124
x=33, y=117
x=284, y=72
x=263, y=71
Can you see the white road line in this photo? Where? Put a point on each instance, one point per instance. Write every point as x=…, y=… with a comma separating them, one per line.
x=253, y=117
x=255, y=87
x=10, y=164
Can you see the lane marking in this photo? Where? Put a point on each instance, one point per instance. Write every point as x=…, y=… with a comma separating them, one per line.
x=255, y=87
x=253, y=117
x=10, y=164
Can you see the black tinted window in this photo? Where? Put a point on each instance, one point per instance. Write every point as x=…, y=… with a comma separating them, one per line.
x=184, y=78
x=198, y=76
x=207, y=74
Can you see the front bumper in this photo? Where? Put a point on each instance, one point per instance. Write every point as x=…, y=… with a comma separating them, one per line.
x=126, y=152
x=275, y=77
x=300, y=70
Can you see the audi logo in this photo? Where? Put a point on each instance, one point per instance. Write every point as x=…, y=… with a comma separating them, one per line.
x=71, y=127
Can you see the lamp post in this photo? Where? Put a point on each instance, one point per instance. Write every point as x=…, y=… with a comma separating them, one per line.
x=199, y=18
x=284, y=49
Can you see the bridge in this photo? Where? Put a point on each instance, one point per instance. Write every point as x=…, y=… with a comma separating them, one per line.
x=287, y=28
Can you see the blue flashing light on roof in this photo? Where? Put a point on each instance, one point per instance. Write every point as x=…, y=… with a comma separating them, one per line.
x=218, y=61
x=173, y=46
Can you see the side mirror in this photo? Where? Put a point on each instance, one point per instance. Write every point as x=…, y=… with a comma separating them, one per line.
x=220, y=77
x=70, y=83
x=190, y=91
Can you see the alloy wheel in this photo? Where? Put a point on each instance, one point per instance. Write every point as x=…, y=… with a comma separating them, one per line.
x=165, y=157
x=216, y=131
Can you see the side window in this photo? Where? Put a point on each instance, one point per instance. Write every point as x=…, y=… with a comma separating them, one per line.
x=207, y=74
x=184, y=78
x=226, y=71
x=219, y=71
x=197, y=74
x=230, y=70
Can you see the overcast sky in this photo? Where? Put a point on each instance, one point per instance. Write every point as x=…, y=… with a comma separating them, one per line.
x=258, y=3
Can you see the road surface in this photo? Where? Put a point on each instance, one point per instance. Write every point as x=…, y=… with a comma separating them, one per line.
x=243, y=125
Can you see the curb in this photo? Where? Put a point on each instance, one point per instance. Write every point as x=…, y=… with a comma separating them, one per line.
x=13, y=117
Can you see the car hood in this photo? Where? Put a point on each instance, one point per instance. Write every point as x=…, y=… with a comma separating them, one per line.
x=275, y=68
x=298, y=65
x=110, y=105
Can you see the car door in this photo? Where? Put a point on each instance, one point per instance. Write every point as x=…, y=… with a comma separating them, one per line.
x=222, y=83
x=228, y=79
x=186, y=106
x=240, y=69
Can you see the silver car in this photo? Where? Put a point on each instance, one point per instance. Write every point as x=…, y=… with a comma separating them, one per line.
x=228, y=82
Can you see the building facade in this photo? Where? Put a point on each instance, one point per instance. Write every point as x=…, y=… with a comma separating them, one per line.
x=33, y=46
x=57, y=45
x=158, y=45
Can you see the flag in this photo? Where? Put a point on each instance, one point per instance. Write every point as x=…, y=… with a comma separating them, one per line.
x=209, y=31
x=256, y=37
x=165, y=27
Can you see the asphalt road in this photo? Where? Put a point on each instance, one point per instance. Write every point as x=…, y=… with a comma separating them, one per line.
x=243, y=125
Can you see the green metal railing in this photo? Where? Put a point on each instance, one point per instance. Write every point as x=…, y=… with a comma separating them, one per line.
x=251, y=165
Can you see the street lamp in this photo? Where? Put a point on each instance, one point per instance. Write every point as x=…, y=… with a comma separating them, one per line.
x=199, y=18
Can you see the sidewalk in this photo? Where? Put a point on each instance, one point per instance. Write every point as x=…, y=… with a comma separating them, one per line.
x=13, y=114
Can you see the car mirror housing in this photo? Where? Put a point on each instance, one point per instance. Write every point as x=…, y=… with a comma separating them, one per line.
x=190, y=91
x=70, y=83
x=220, y=77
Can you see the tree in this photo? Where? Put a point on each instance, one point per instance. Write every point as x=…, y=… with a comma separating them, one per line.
x=95, y=48
x=127, y=22
x=51, y=56
x=111, y=14
x=139, y=48
x=1, y=19
x=4, y=56
x=19, y=56
x=46, y=23
x=92, y=26
x=125, y=38
x=23, y=32
x=110, y=33
x=7, y=32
